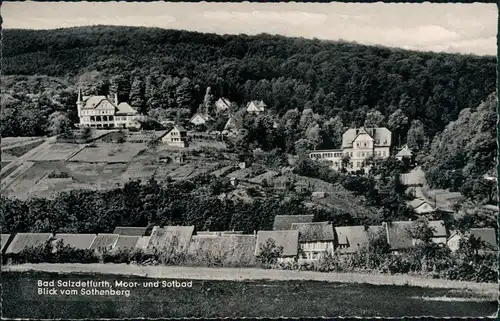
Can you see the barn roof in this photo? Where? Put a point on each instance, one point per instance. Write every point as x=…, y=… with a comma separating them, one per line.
x=488, y=236
x=289, y=240
x=26, y=240
x=284, y=222
x=177, y=237
x=399, y=238
x=104, y=241
x=77, y=241
x=125, y=109
x=4, y=240
x=130, y=230
x=235, y=249
x=416, y=203
x=354, y=237
x=126, y=242
x=314, y=232
x=142, y=242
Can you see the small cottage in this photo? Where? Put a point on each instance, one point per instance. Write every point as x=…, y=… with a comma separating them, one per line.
x=256, y=107
x=404, y=153
x=421, y=207
x=200, y=119
x=351, y=239
x=315, y=239
x=222, y=105
x=287, y=240
x=487, y=235
x=176, y=137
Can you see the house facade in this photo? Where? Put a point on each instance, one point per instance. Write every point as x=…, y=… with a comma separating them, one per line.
x=103, y=112
x=200, y=119
x=358, y=144
x=421, y=206
x=315, y=240
x=222, y=105
x=176, y=137
x=256, y=107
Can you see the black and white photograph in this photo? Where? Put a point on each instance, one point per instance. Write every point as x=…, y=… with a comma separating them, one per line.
x=248, y=160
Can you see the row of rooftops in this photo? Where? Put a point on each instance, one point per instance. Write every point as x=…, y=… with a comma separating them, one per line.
x=289, y=231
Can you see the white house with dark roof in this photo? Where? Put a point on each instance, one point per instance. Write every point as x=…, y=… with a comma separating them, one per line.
x=357, y=144
x=315, y=239
x=404, y=152
x=176, y=137
x=256, y=107
x=421, y=207
x=200, y=119
x=222, y=105
x=103, y=112
x=287, y=240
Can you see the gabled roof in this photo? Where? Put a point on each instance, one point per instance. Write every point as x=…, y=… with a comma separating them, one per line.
x=4, y=240
x=399, y=238
x=125, y=109
x=405, y=152
x=104, y=241
x=218, y=233
x=94, y=101
x=289, y=240
x=176, y=127
x=487, y=235
x=381, y=136
x=354, y=237
x=126, y=242
x=142, y=242
x=232, y=249
x=417, y=203
x=77, y=241
x=439, y=228
x=315, y=232
x=223, y=103
x=26, y=240
x=130, y=230
x=284, y=222
x=256, y=106
x=177, y=237
x=205, y=117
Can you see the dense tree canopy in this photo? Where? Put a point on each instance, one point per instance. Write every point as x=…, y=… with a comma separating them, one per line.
x=157, y=68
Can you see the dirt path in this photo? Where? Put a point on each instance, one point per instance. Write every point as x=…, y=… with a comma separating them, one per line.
x=237, y=274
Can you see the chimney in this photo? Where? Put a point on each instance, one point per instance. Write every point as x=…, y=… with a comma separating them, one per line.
x=116, y=99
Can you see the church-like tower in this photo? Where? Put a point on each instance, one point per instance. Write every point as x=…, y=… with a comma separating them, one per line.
x=79, y=102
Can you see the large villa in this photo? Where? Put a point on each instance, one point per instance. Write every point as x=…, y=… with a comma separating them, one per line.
x=357, y=145
x=103, y=112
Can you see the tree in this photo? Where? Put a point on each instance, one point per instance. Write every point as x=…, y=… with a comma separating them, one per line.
x=184, y=94
x=374, y=118
x=208, y=102
x=416, y=136
x=313, y=134
x=136, y=96
x=397, y=123
x=269, y=252
x=303, y=146
x=421, y=231
x=334, y=128
x=59, y=123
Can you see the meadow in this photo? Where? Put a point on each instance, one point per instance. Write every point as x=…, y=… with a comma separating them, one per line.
x=257, y=298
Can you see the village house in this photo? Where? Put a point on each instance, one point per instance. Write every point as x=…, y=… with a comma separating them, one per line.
x=75, y=241
x=104, y=242
x=315, y=240
x=399, y=238
x=256, y=107
x=176, y=137
x=421, y=207
x=174, y=239
x=130, y=230
x=287, y=240
x=358, y=144
x=487, y=235
x=351, y=239
x=222, y=105
x=199, y=119
x=404, y=153
x=103, y=112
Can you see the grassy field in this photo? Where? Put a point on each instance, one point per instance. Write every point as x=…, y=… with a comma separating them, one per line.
x=109, y=152
x=207, y=298
x=56, y=152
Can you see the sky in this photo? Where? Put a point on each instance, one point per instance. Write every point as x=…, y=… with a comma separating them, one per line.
x=454, y=28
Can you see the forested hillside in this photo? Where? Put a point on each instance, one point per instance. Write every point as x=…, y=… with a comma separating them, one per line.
x=164, y=71
x=465, y=151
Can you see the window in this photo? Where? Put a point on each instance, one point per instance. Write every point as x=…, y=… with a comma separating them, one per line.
x=364, y=144
x=358, y=164
x=383, y=153
x=357, y=144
